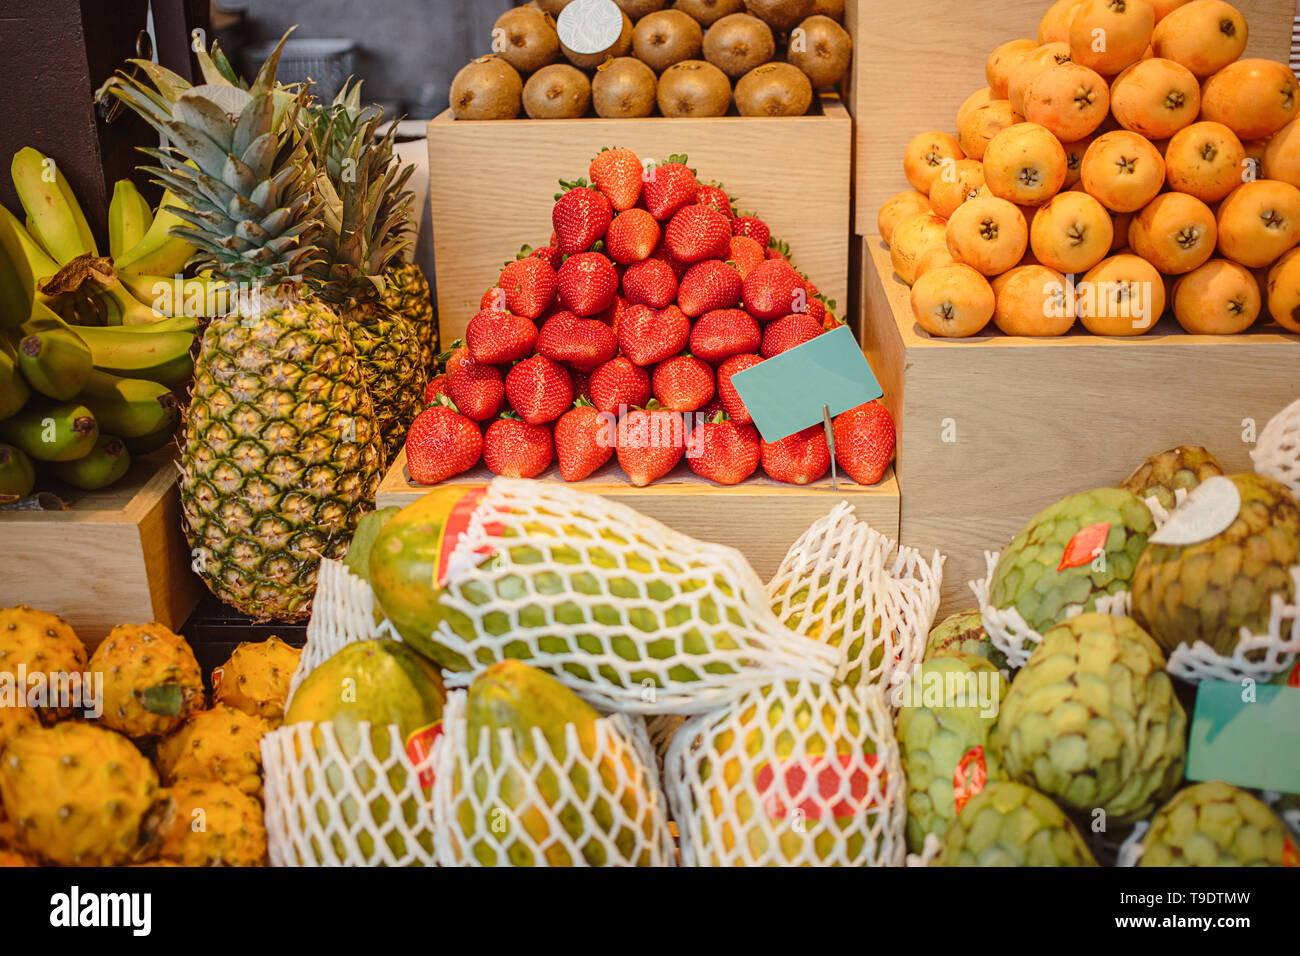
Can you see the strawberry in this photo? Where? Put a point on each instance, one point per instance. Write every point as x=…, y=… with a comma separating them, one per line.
x=582, y=343
x=529, y=286
x=618, y=384
x=539, y=390
x=708, y=285
x=453, y=358
x=776, y=254
x=650, y=443
x=588, y=283
x=581, y=216
x=651, y=283
x=581, y=384
x=515, y=449
x=696, y=233
x=610, y=315
x=753, y=227
x=632, y=236
x=722, y=333
x=437, y=386
x=649, y=335
x=815, y=309
x=548, y=254
x=744, y=253
x=479, y=391
x=668, y=188
x=617, y=174
x=440, y=443
x=584, y=441
x=723, y=451
x=830, y=323
x=773, y=289
x=864, y=441
x=682, y=383
x=784, y=334
x=797, y=459
x=496, y=338
x=727, y=392
x=716, y=197
x=493, y=300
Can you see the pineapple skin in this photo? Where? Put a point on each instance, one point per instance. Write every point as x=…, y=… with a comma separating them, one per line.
x=406, y=292
x=388, y=349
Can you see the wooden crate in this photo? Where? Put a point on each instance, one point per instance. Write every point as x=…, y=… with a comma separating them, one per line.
x=995, y=428
x=492, y=183
x=759, y=517
x=912, y=71
x=117, y=556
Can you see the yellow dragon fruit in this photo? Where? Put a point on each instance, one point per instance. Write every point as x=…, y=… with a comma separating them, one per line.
x=16, y=719
x=214, y=824
x=151, y=680
x=221, y=745
x=256, y=678
x=42, y=643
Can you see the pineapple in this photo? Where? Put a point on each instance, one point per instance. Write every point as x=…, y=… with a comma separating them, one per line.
x=221, y=745
x=214, y=825
x=256, y=678
x=41, y=643
x=280, y=447
x=406, y=292
x=150, y=677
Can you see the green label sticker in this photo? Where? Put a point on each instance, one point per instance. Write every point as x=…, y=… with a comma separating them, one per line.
x=1247, y=734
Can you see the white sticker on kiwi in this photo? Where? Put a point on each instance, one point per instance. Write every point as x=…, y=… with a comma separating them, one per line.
x=590, y=26
x=1210, y=509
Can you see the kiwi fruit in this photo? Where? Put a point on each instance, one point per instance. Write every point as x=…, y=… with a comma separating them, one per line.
x=487, y=88
x=526, y=39
x=636, y=9
x=774, y=89
x=739, y=42
x=780, y=15
x=553, y=7
x=830, y=8
x=694, y=88
x=589, y=61
x=666, y=37
x=822, y=49
x=708, y=12
x=624, y=87
x=558, y=91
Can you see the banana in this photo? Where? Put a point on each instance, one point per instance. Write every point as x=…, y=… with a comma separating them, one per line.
x=30, y=263
x=17, y=476
x=52, y=431
x=162, y=357
x=55, y=361
x=129, y=217
x=159, y=253
x=104, y=464
x=130, y=407
x=57, y=220
x=14, y=390
x=131, y=310
x=203, y=297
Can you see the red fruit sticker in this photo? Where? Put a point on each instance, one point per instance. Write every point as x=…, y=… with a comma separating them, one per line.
x=418, y=747
x=970, y=776
x=1292, y=680
x=780, y=786
x=1084, y=547
x=219, y=672
x=1290, y=855
x=456, y=524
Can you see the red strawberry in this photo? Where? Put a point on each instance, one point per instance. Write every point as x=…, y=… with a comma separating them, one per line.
x=776, y=254
x=727, y=392
x=494, y=300
x=797, y=459
x=610, y=316
x=773, y=289
x=479, y=391
x=516, y=449
x=617, y=173
x=539, y=390
x=454, y=357
x=708, y=285
x=668, y=188
x=437, y=386
x=651, y=283
x=663, y=255
x=581, y=384
x=696, y=233
x=753, y=227
x=864, y=441
x=830, y=323
x=784, y=334
x=648, y=335
x=617, y=384
x=584, y=441
x=495, y=338
x=814, y=309
x=744, y=253
x=548, y=254
x=650, y=443
x=716, y=197
x=588, y=283
x=529, y=286
x=581, y=216
x=722, y=451
x=440, y=443
x=583, y=343
x=722, y=333
x=632, y=236
x=712, y=407
x=682, y=383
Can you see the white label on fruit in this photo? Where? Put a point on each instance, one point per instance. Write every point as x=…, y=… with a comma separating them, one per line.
x=1210, y=509
x=590, y=26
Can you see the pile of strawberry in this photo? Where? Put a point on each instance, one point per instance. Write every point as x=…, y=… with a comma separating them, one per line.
x=621, y=336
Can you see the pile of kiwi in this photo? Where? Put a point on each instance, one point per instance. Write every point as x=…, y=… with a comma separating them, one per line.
x=683, y=58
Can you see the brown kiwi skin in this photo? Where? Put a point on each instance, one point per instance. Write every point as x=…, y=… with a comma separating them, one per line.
x=827, y=50
x=739, y=42
x=830, y=8
x=528, y=41
x=774, y=89
x=624, y=88
x=636, y=9
x=589, y=61
x=780, y=15
x=666, y=37
x=708, y=12
x=558, y=91
x=487, y=88
x=694, y=88
x=553, y=7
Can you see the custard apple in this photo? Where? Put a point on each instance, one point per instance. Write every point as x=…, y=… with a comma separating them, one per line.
x=1161, y=475
x=1217, y=824
x=1009, y=824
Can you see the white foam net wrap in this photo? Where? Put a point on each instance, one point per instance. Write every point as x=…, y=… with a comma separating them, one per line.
x=847, y=585
x=796, y=773
x=600, y=806
x=355, y=801
x=1277, y=450
x=629, y=614
x=342, y=612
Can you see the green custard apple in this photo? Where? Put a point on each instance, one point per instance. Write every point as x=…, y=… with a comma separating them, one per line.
x=1160, y=476
x=1008, y=824
x=964, y=633
x=1217, y=824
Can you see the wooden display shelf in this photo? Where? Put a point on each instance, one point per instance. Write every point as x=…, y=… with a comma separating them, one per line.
x=761, y=518
x=492, y=186
x=994, y=428
x=116, y=556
